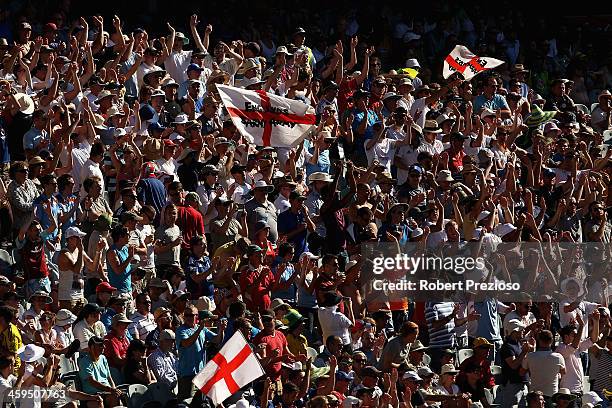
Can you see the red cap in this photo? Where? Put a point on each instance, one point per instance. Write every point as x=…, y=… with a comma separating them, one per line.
x=105, y=287
x=50, y=27
x=169, y=142
x=149, y=169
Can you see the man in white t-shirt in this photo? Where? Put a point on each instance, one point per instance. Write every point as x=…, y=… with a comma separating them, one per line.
x=570, y=348
x=523, y=314
x=334, y=323
x=545, y=367
x=382, y=148
x=177, y=60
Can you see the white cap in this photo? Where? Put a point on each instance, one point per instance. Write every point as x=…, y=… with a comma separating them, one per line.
x=504, y=229
x=409, y=36
x=411, y=375
x=412, y=63
x=483, y=214
x=591, y=397
x=514, y=325
x=74, y=232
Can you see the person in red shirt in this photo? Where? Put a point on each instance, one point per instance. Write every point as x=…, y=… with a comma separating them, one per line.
x=116, y=343
x=189, y=220
x=481, y=347
x=352, y=83
x=274, y=344
x=256, y=280
x=456, y=153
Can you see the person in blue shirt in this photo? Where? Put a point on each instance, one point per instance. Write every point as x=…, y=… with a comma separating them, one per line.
x=363, y=126
x=316, y=153
x=492, y=100
x=237, y=311
x=284, y=273
x=67, y=201
x=294, y=224
x=36, y=138
x=191, y=339
x=198, y=270
x=119, y=260
x=94, y=373
x=47, y=199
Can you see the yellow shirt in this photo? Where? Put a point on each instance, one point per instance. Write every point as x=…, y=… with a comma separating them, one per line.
x=297, y=345
x=10, y=342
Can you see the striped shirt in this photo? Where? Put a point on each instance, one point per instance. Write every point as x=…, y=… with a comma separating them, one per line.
x=443, y=337
x=141, y=325
x=600, y=370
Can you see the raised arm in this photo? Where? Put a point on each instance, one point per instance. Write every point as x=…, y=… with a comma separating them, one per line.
x=193, y=25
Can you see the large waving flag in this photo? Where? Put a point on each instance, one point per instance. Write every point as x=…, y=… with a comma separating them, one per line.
x=229, y=370
x=266, y=119
x=469, y=65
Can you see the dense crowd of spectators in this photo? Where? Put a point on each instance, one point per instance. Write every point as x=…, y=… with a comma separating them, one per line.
x=140, y=229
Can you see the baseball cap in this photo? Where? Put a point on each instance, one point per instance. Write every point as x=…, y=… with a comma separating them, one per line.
x=166, y=334
x=194, y=67
x=74, y=232
x=105, y=287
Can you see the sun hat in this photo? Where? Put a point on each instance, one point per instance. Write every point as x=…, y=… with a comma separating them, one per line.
x=262, y=184
x=159, y=312
x=277, y=303
x=563, y=393
x=431, y=126
x=425, y=372
x=449, y=369
x=293, y=318
x=282, y=50
x=412, y=63
x=64, y=317
x=30, y=353
x=537, y=116
x=444, y=175
x=418, y=346
x=482, y=342
x=319, y=176
x=41, y=294
x=102, y=95
x=120, y=318
x=25, y=103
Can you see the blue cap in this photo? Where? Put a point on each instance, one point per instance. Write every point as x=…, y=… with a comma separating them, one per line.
x=146, y=112
x=549, y=172
x=194, y=67
x=415, y=169
x=342, y=376
x=155, y=126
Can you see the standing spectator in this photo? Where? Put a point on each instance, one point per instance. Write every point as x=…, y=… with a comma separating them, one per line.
x=191, y=342
x=512, y=353
x=21, y=193
x=544, y=366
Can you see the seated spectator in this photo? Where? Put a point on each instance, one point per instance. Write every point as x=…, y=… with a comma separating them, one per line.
x=136, y=369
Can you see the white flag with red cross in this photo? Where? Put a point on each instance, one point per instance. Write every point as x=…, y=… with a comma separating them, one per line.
x=463, y=61
x=233, y=367
x=267, y=119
